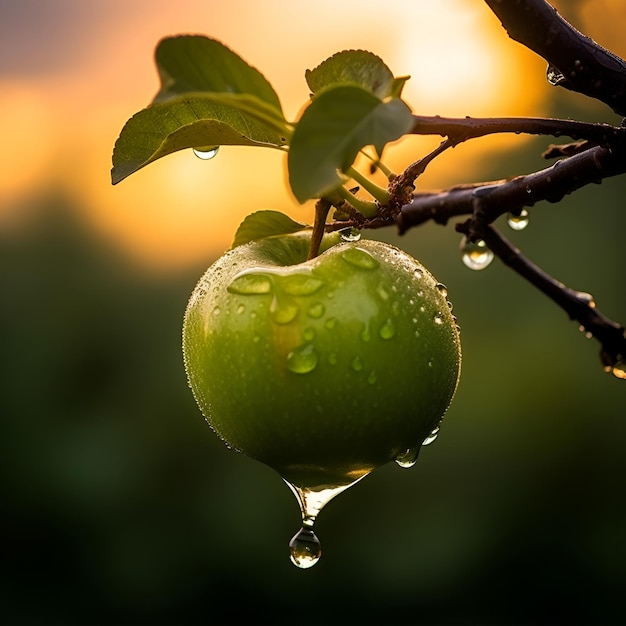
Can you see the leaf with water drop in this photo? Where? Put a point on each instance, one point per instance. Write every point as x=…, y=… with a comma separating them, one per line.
x=190, y=122
x=356, y=67
x=209, y=96
x=333, y=129
x=265, y=224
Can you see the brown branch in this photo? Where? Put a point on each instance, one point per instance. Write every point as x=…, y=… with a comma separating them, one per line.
x=580, y=306
x=577, y=62
x=499, y=197
x=462, y=129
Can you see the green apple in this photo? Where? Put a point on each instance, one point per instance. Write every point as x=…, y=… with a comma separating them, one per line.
x=323, y=369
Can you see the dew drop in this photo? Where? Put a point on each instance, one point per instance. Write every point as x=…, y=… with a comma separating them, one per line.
x=283, y=311
x=418, y=273
x=206, y=154
x=475, y=254
x=350, y=234
x=387, y=330
x=433, y=435
x=303, y=359
x=316, y=310
x=357, y=364
x=241, y=309
x=438, y=318
x=250, y=284
x=365, y=334
x=372, y=378
x=519, y=220
x=359, y=258
x=554, y=76
x=309, y=334
x=332, y=358
x=301, y=284
x=305, y=549
x=408, y=458
x=442, y=289
x=330, y=323
x=217, y=311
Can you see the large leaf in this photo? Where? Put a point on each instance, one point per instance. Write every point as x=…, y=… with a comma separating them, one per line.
x=337, y=124
x=355, y=67
x=195, y=121
x=193, y=63
x=209, y=97
x=265, y=224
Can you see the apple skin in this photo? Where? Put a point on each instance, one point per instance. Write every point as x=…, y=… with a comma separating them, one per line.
x=322, y=369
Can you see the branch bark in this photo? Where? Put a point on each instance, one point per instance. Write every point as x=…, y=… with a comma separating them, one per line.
x=575, y=61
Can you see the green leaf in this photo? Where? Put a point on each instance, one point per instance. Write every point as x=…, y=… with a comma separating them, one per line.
x=192, y=122
x=354, y=67
x=265, y=224
x=337, y=124
x=193, y=63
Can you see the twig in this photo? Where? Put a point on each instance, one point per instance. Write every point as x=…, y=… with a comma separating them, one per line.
x=499, y=197
x=462, y=129
x=578, y=305
x=578, y=63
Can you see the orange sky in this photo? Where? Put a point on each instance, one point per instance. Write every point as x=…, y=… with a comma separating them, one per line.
x=72, y=72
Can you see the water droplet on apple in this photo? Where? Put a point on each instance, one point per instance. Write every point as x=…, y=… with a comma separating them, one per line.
x=372, y=378
x=475, y=254
x=442, y=289
x=330, y=323
x=332, y=358
x=350, y=234
x=300, y=284
x=248, y=284
x=302, y=359
x=309, y=334
x=365, y=334
x=241, y=309
x=217, y=311
x=305, y=549
x=282, y=310
x=359, y=258
x=206, y=153
x=387, y=330
x=433, y=435
x=357, y=364
x=519, y=220
x=438, y=318
x=316, y=310
x=408, y=458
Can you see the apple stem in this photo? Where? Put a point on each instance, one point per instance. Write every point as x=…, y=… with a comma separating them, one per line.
x=322, y=207
x=377, y=192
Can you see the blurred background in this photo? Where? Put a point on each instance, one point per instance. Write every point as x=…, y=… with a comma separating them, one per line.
x=119, y=506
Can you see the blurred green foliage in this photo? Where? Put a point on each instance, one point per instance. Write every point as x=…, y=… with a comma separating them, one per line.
x=120, y=506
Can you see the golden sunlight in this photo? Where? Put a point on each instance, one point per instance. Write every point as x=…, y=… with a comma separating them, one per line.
x=182, y=209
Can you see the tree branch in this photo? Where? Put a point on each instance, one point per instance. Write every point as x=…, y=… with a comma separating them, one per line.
x=499, y=197
x=580, y=306
x=575, y=61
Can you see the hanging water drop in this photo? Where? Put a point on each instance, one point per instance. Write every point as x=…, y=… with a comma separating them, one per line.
x=305, y=549
x=518, y=220
x=433, y=435
x=206, y=154
x=350, y=234
x=554, y=76
x=303, y=359
x=475, y=254
x=408, y=458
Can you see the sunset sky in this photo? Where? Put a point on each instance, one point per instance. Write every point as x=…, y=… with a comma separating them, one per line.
x=72, y=72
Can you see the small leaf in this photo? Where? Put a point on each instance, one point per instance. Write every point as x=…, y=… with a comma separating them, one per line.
x=193, y=63
x=192, y=122
x=337, y=124
x=265, y=224
x=353, y=67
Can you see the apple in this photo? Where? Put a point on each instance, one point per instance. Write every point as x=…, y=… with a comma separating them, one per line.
x=323, y=369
